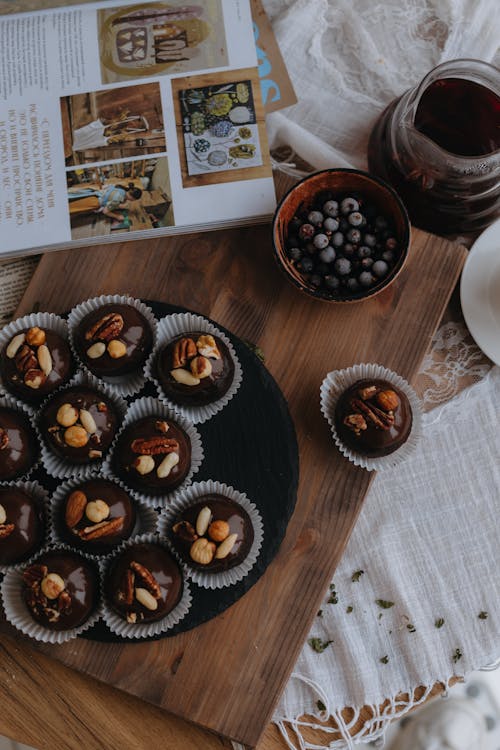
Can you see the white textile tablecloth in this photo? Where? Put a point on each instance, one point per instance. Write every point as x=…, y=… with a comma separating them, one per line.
x=427, y=538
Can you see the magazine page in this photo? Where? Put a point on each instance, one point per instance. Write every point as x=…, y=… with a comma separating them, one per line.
x=123, y=118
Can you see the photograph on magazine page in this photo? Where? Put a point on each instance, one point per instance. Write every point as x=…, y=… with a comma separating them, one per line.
x=152, y=39
x=126, y=196
x=220, y=126
x=113, y=124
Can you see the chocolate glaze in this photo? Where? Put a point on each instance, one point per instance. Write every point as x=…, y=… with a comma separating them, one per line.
x=81, y=581
x=26, y=514
x=62, y=368
x=124, y=457
x=136, y=335
x=223, y=509
x=373, y=441
x=101, y=409
x=165, y=570
x=209, y=389
x=20, y=449
x=120, y=506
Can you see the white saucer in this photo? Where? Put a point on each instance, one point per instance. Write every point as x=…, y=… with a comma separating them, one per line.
x=480, y=292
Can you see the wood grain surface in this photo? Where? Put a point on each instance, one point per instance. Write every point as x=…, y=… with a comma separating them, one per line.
x=228, y=674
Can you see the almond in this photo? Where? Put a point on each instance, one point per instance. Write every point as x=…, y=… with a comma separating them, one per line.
x=166, y=466
x=88, y=421
x=203, y=520
x=14, y=345
x=146, y=599
x=44, y=359
x=184, y=377
x=75, y=508
x=225, y=548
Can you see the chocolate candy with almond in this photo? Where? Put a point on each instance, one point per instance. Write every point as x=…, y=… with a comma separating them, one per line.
x=22, y=525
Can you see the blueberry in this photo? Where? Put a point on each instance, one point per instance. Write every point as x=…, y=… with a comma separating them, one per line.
x=330, y=224
x=366, y=279
x=331, y=208
x=337, y=239
x=380, y=268
x=348, y=205
x=367, y=263
x=309, y=248
x=355, y=219
x=315, y=218
x=349, y=249
x=320, y=241
x=343, y=266
x=315, y=280
x=381, y=222
x=352, y=284
x=331, y=282
x=388, y=256
x=306, y=231
x=306, y=265
x=354, y=235
x=327, y=255
x=370, y=240
x=295, y=253
x=391, y=243
x=364, y=251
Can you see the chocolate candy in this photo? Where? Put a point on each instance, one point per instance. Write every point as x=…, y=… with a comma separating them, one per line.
x=18, y=444
x=373, y=418
x=144, y=583
x=114, y=340
x=195, y=369
x=96, y=516
x=34, y=363
x=214, y=534
x=79, y=424
x=153, y=455
x=61, y=590
x=22, y=525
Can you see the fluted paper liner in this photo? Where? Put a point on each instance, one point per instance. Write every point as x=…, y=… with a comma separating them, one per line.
x=190, y=496
x=17, y=613
x=10, y=402
x=124, y=385
x=39, y=493
x=147, y=407
x=63, y=468
x=121, y=627
x=146, y=518
x=338, y=381
x=184, y=323
x=45, y=320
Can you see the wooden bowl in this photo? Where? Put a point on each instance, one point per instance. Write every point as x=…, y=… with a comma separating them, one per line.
x=340, y=182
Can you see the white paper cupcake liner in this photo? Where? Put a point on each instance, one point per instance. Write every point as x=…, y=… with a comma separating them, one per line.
x=124, y=385
x=338, y=381
x=42, y=320
x=175, y=325
x=121, y=627
x=62, y=468
x=190, y=496
x=39, y=493
x=13, y=403
x=147, y=407
x=146, y=518
x=17, y=613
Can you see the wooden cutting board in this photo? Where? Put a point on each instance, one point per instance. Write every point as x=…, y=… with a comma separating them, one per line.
x=228, y=674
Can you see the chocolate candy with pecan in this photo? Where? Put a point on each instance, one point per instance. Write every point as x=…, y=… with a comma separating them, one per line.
x=373, y=418
x=18, y=444
x=22, y=525
x=114, y=340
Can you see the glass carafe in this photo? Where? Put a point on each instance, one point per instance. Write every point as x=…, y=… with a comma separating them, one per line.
x=439, y=146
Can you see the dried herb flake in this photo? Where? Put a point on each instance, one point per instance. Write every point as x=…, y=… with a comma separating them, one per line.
x=320, y=613
x=457, y=655
x=483, y=615
x=349, y=609
x=321, y=706
x=411, y=628
x=318, y=645
x=357, y=575
x=439, y=622
x=384, y=659
x=384, y=603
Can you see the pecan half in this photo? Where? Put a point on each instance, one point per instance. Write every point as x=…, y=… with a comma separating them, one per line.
x=6, y=530
x=34, y=575
x=107, y=328
x=34, y=378
x=154, y=446
x=25, y=359
x=148, y=579
x=379, y=419
x=183, y=350
x=185, y=531
x=4, y=439
x=368, y=392
x=64, y=602
x=126, y=592
x=75, y=508
x=356, y=423
x=103, y=529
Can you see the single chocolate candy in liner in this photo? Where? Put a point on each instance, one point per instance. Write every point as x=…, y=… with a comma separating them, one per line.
x=22, y=524
x=19, y=449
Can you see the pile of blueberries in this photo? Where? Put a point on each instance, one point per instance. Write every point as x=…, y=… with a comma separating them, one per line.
x=342, y=245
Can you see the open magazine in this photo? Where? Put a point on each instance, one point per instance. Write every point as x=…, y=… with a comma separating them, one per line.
x=122, y=119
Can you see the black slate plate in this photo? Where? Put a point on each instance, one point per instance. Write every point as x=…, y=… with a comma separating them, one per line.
x=250, y=445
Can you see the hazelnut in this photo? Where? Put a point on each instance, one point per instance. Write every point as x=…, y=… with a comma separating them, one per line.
x=203, y=520
x=35, y=336
x=218, y=530
x=144, y=464
x=201, y=367
x=368, y=392
x=96, y=350
x=52, y=585
x=202, y=551
x=225, y=548
x=76, y=436
x=97, y=511
x=95, y=454
x=67, y=415
x=388, y=400
x=3, y=515
x=116, y=349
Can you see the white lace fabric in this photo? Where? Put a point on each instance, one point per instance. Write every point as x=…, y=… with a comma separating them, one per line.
x=427, y=537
